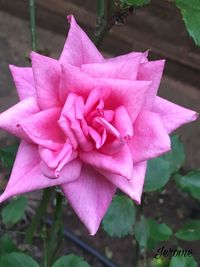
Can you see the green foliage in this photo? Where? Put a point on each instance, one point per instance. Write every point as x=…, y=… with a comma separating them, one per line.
x=190, y=183
x=159, y=232
x=120, y=217
x=190, y=10
x=141, y=231
x=149, y=233
x=181, y=261
x=190, y=231
x=158, y=174
x=7, y=245
x=136, y=2
x=160, y=169
x=176, y=157
x=70, y=261
x=161, y=262
x=7, y=156
x=16, y=259
x=14, y=211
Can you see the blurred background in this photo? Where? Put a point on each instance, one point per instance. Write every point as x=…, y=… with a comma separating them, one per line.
x=157, y=27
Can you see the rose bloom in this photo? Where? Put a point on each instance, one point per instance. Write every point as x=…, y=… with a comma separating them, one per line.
x=88, y=125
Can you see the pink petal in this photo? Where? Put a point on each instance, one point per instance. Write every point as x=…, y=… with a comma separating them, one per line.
x=82, y=140
x=24, y=81
x=68, y=109
x=79, y=108
x=96, y=95
x=130, y=94
x=90, y=197
x=98, y=139
x=133, y=187
x=113, y=147
x=150, y=138
x=26, y=175
x=78, y=48
x=61, y=168
x=128, y=56
x=125, y=69
x=75, y=80
x=95, y=136
x=119, y=163
x=172, y=115
x=10, y=118
x=65, y=125
x=53, y=158
x=107, y=126
x=43, y=129
x=122, y=122
x=46, y=73
x=151, y=71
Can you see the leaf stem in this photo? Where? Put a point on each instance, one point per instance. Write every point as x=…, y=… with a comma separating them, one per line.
x=38, y=215
x=137, y=255
x=32, y=25
x=56, y=235
x=105, y=11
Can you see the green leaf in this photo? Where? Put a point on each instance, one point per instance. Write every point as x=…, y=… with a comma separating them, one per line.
x=7, y=245
x=158, y=174
x=176, y=157
x=159, y=170
x=141, y=231
x=14, y=211
x=159, y=232
x=190, y=183
x=190, y=231
x=7, y=155
x=16, y=259
x=190, y=10
x=70, y=261
x=120, y=217
x=181, y=261
x=136, y=2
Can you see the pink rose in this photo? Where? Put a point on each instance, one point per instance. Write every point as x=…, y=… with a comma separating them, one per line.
x=89, y=125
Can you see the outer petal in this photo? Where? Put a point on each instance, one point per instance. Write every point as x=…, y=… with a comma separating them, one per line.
x=150, y=138
x=125, y=69
x=133, y=187
x=90, y=197
x=130, y=94
x=43, y=129
x=151, y=71
x=131, y=55
x=46, y=73
x=73, y=79
x=119, y=163
x=24, y=81
x=78, y=48
x=10, y=118
x=172, y=115
x=26, y=175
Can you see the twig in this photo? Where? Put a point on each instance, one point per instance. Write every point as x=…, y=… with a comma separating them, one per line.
x=32, y=25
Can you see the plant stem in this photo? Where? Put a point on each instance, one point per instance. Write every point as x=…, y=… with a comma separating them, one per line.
x=32, y=25
x=137, y=255
x=45, y=252
x=105, y=10
x=56, y=235
x=100, y=8
x=38, y=215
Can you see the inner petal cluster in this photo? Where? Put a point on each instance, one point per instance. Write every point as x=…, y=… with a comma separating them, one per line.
x=88, y=124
